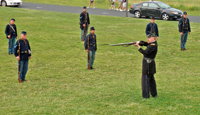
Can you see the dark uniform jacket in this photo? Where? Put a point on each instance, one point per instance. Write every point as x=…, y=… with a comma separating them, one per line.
x=152, y=28
x=24, y=47
x=84, y=18
x=10, y=31
x=186, y=23
x=92, y=42
x=149, y=66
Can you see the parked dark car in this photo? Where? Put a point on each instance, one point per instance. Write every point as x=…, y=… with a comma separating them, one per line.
x=156, y=9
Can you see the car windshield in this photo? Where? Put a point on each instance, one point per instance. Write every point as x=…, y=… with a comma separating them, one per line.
x=163, y=5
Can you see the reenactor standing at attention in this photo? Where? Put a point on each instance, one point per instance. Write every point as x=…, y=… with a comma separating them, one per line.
x=25, y=54
x=152, y=28
x=84, y=23
x=184, y=29
x=148, y=66
x=91, y=43
x=11, y=34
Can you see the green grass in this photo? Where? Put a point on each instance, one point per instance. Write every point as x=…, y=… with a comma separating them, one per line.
x=59, y=82
x=192, y=6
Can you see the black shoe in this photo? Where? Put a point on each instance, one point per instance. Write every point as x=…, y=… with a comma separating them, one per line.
x=181, y=49
x=154, y=96
x=24, y=80
x=91, y=68
x=184, y=49
x=145, y=98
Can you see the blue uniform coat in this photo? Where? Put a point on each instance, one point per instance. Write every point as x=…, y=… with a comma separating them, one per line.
x=150, y=52
x=152, y=28
x=186, y=25
x=10, y=31
x=24, y=47
x=92, y=42
x=83, y=18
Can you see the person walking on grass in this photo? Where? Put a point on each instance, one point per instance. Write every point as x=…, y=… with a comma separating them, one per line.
x=91, y=2
x=124, y=5
x=11, y=34
x=120, y=5
x=84, y=23
x=184, y=29
x=91, y=43
x=112, y=5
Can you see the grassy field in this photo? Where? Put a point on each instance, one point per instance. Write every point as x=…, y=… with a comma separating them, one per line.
x=192, y=6
x=59, y=82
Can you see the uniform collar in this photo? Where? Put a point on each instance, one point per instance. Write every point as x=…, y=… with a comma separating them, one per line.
x=153, y=42
x=21, y=39
x=184, y=18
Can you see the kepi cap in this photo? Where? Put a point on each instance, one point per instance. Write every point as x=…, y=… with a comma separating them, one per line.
x=84, y=7
x=152, y=17
x=13, y=19
x=185, y=12
x=92, y=28
x=151, y=35
x=23, y=32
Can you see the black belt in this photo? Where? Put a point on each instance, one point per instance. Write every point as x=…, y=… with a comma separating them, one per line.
x=149, y=60
x=24, y=52
x=92, y=44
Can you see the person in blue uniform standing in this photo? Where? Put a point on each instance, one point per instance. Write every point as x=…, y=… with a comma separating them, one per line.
x=84, y=23
x=92, y=46
x=184, y=29
x=25, y=54
x=152, y=28
x=11, y=33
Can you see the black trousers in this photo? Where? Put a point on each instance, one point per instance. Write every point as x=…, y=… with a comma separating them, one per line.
x=148, y=85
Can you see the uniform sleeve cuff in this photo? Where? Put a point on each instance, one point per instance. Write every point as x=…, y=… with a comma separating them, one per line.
x=140, y=50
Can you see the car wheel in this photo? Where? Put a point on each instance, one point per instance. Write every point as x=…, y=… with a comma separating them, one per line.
x=137, y=14
x=165, y=16
x=3, y=3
